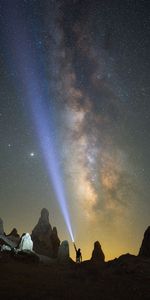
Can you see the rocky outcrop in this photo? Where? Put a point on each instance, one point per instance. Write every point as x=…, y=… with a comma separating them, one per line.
x=97, y=254
x=13, y=233
x=45, y=239
x=145, y=247
x=63, y=252
x=6, y=241
x=1, y=227
x=128, y=264
x=14, y=236
x=43, y=225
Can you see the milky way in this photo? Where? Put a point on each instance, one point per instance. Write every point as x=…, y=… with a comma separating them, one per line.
x=96, y=167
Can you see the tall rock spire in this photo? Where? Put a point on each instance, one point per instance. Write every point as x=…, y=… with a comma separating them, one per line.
x=45, y=240
x=145, y=247
x=97, y=254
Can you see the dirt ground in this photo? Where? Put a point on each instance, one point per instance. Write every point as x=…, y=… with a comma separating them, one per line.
x=115, y=281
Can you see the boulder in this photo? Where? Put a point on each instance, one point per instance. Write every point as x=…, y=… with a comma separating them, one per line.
x=63, y=252
x=97, y=254
x=5, y=248
x=45, y=239
x=26, y=243
x=145, y=247
x=1, y=227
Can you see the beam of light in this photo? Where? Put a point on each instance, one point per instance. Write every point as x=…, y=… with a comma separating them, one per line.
x=45, y=132
x=31, y=77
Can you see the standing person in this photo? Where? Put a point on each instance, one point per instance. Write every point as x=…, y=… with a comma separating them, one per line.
x=78, y=254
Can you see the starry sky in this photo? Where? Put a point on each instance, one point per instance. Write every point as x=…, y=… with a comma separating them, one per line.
x=74, y=77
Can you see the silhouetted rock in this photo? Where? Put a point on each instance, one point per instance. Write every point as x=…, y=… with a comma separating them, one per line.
x=14, y=236
x=14, y=233
x=145, y=247
x=1, y=227
x=6, y=241
x=45, y=240
x=129, y=264
x=55, y=242
x=43, y=225
x=63, y=252
x=97, y=254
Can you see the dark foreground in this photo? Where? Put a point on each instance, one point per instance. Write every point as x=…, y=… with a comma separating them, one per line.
x=126, y=278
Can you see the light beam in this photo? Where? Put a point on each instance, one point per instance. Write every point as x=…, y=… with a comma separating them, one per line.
x=31, y=76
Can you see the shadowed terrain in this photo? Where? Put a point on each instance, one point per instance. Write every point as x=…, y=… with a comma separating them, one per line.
x=127, y=277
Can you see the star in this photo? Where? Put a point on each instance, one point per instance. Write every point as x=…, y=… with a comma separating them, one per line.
x=32, y=154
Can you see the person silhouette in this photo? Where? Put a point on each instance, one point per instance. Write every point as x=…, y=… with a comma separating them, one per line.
x=78, y=254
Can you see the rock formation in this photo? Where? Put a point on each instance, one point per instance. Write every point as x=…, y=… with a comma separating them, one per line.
x=97, y=254
x=55, y=242
x=45, y=239
x=145, y=247
x=14, y=233
x=1, y=227
x=63, y=252
x=14, y=236
x=6, y=241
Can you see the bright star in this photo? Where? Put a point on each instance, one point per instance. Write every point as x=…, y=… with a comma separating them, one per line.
x=32, y=154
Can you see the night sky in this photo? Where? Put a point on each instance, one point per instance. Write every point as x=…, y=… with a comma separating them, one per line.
x=74, y=82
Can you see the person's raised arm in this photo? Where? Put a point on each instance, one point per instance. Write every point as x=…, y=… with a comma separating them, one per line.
x=75, y=247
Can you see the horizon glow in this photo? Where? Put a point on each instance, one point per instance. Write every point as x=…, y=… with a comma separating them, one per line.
x=31, y=76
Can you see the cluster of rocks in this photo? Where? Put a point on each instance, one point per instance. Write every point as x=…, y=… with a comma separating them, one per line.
x=46, y=242
x=11, y=239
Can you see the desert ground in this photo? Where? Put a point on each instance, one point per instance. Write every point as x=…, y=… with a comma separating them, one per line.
x=125, y=278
